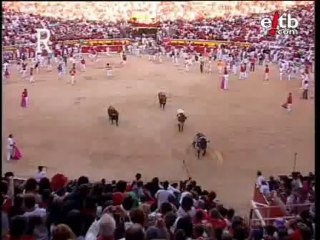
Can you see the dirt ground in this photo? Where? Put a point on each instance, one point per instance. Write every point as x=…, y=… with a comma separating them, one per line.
x=66, y=128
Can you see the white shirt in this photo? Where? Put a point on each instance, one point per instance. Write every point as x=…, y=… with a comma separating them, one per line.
x=10, y=143
x=40, y=175
x=174, y=190
x=162, y=196
x=264, y=189
x=5, y=65
x=183, y=195
x=259, y=180
x=40, y=231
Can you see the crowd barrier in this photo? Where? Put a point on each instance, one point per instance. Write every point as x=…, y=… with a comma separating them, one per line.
x=116, y=45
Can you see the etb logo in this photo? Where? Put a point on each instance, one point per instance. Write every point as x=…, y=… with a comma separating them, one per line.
x=281, y=25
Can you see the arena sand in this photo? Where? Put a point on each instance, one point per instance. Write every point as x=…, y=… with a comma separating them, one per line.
x=66, y=127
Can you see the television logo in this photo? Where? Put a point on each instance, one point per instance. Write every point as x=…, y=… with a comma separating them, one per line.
x=281, y=25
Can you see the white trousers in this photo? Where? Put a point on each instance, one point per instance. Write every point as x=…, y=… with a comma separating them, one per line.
x=289, y=107
x=281, y=74
x=289, y=76
x=234, y=69
x=187, y=67
x=9, y=154
x=72, y=80
x=242, y=75
x=266, y=76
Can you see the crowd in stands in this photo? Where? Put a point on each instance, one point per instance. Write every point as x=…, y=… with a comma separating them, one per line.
x=20, y=27
x=292, y=190
x=148, y=11
x=295, y=193
x=60, y=209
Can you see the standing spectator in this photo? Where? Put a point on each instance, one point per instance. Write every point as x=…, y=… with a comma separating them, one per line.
x=41, y=232
x=41, y=173
x=162, y=195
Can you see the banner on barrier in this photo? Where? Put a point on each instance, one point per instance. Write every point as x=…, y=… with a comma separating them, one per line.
x=209, y=43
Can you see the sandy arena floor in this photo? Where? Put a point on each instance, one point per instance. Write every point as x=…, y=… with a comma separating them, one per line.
x=66, y=128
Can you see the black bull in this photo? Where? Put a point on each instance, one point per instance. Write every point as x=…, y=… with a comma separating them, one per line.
x=113, y=115
x=162, y=99
x=200, y=144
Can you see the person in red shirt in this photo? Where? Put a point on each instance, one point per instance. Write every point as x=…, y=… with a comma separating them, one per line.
x=72, y=73
x=24, y=98
x=242, y=72
x=6, y=73
x=266, y=73
x=216, y=220
x=252, y=64
x=288, y=104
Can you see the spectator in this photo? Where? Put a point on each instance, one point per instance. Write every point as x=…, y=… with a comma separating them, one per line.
x=62, y=232
x=17, y=208
x=135, y=232
x=162, y=195
x=18, y=229
x=186, y=208
x=216, y=219
x=74, y=221
x=41, y=173
x=31, y=210
x=260, y=178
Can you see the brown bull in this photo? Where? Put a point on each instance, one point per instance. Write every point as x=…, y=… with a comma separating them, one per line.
x=162, y=99
x=113, y=115
x=181, y=119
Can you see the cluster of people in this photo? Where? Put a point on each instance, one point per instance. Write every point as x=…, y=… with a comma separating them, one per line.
x=21, y=28
x=60, y=209
x=148, y=11
x=243, y=28
x=295, y=194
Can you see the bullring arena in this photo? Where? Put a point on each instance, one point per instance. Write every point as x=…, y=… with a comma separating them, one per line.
x=229, y=156
x=66, y=127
